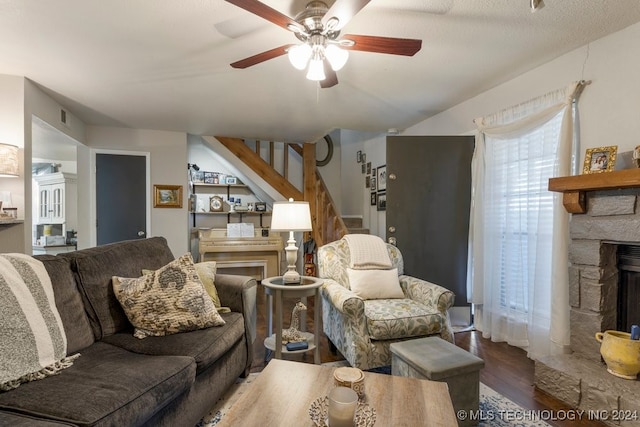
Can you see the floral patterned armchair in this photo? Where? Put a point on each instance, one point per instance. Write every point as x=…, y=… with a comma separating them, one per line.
x=364, y=329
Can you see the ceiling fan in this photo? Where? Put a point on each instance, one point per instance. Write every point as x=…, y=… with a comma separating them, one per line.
x=318, y=27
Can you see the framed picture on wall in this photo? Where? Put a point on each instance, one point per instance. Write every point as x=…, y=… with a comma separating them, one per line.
x=382, y=201
x=167, y=196
x=373, y=183
x=374, y=198
x=381, y=173
x=367, y=181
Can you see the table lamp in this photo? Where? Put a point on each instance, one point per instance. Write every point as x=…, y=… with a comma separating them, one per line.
x=291, y=216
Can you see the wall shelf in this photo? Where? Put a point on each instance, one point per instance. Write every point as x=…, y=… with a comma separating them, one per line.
x=575, y=187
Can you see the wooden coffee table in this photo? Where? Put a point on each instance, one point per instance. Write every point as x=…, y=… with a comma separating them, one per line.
x=283, y=392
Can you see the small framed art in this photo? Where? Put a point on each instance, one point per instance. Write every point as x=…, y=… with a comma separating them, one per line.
x=601, y=159
x=167, y=196
x=374, y=199
x=382, y=201
x=382, y=177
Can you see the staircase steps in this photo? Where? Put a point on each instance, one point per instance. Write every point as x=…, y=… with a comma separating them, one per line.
x=354, y=225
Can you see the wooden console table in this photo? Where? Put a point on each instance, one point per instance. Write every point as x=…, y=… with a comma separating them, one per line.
x=574, y=187
x=262, y=254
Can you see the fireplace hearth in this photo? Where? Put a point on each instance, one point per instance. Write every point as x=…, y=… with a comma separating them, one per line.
x=604, y=293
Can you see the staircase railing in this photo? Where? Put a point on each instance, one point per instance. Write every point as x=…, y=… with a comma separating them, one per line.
x=327, y=222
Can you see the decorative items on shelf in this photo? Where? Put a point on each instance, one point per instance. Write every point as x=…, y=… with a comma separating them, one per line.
x=206, y=177
x=216, y=204
x=261, y=207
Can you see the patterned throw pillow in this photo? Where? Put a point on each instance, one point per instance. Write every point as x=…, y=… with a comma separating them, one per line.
x=170, y=300
x=206, y=272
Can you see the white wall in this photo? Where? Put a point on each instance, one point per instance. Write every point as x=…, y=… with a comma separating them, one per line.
x=12, y=132
x=168, y=152
x=609, y=108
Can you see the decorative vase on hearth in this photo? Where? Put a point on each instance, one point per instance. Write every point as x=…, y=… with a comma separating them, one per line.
x=620, y=353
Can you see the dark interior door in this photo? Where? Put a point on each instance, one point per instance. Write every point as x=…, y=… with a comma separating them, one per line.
x=121, y=197
x=427, y=212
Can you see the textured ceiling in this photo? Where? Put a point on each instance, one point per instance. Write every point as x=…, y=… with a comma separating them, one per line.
x=164, y=64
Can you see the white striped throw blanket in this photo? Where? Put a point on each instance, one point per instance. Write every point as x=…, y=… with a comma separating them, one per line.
x=32, y=337
x=368, y=252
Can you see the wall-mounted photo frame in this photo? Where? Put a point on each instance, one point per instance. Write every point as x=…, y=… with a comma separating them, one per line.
x=601, y=159
x=231, y=180
x=374, y=198
x=381, y=173
x=359, y=157
x=364, y=157
x=373, y=183
x=167, y=196
x=367, y=181
x=364, y=168
x=382, y=201
x=368, y=167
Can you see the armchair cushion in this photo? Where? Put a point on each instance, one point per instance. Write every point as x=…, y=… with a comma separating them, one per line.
x=389, y=319
x=375, y=284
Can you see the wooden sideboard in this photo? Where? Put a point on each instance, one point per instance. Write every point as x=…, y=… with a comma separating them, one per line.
x=256, y=256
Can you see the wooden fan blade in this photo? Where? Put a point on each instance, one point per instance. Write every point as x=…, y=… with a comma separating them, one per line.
x=266, y=12
x=390, y=45
x=343, y=10
x=331, y=78
x=261, y=57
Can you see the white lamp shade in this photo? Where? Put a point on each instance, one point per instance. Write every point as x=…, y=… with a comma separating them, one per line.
x=299, y=55
x=316, y=70
x=337, y=57
x=8, y=160
x=291, y=216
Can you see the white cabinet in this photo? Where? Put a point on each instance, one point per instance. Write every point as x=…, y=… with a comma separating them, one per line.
x=57, y=199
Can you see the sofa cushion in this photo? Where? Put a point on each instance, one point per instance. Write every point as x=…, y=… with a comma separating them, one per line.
x=69, y=303
x=400, y=318
x=18, y=420
x=94, y=268
x=375, y=284
x=106, y=386
x=206, y=346
x=168, y=301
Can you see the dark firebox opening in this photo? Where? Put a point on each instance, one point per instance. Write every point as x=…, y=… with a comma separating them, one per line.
x=628, y=287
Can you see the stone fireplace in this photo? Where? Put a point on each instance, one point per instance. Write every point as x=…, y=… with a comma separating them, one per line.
x=606, y=217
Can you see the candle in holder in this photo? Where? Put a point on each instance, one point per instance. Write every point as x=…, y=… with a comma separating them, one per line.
x=342, y=407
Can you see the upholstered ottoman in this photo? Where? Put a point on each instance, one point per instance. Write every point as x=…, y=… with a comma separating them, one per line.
x=435, y=359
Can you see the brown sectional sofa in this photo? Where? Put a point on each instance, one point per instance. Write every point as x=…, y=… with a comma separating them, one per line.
x=120, y=380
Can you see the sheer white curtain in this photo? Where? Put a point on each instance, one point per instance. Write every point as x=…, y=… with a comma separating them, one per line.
x=518, y=244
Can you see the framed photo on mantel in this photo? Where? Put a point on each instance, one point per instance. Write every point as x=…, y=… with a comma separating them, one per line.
x=601, y=159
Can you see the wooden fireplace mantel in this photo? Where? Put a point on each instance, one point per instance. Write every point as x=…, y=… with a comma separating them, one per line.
x=575, y=187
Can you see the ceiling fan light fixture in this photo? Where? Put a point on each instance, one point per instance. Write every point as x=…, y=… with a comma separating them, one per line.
x=337, y=57
x=299, y=55
x=316, y=70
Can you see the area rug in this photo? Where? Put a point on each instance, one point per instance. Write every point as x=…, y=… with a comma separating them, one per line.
x=495, y=409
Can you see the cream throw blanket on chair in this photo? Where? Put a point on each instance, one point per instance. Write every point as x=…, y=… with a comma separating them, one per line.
x=32, y=337
x=368, y=252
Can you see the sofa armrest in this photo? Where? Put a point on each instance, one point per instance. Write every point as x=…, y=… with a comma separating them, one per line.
x=427, y=293
x=239, y=294
x=343, y=299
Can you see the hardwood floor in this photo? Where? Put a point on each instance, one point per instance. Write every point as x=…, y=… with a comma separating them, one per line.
x=507, y=369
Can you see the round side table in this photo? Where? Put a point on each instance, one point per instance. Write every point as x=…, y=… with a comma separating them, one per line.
x=308, y=286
